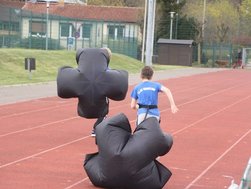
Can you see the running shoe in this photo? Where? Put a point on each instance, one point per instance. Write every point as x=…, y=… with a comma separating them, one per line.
x=93, y=134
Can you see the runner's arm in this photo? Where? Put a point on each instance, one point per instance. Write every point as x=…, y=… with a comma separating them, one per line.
x=134, y=104
x=170, y=98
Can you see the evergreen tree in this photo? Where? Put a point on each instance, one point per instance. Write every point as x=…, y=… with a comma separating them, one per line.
x=133, y=3
x=106, y=2
x=183, y=27
x=127, y=3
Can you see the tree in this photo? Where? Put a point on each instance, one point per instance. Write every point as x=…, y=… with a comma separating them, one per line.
x=106, y=2
x=219, y=25
x=187, y=28
x=164, y=7
x=133, y=3
x=128, y=3
x=245, y=13
x=246, y=8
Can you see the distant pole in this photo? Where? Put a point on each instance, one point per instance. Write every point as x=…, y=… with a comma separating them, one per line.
x=176, y=27
x=204, y=19
x=144, y=35
x=154, y=12
x=171, y=27
x=177, y=18
x=47, y=24
x=150, y=32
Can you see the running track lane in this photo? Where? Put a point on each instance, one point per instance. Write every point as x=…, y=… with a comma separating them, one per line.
x=44, y=141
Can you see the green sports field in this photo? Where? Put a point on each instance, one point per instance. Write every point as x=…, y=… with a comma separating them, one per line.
x=12, y=66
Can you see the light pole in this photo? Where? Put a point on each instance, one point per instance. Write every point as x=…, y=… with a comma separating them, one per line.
x=150, y=32
x=47, y=24
x=171, y=27
x=177, y=18
x=202, y=32
x=144, y=34
x=203, y=19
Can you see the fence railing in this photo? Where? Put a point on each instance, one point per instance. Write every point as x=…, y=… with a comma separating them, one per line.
x=24, y=29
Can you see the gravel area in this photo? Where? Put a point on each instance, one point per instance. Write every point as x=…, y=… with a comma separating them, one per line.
x=17, y=93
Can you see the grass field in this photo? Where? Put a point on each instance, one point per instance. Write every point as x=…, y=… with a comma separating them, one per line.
x=12, y=69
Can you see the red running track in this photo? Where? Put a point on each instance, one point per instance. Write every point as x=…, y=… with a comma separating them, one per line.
x=44, y=142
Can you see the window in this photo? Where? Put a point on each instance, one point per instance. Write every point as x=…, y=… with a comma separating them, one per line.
x=86, y=32
x=66, y=30
x=116, y=32
x=121, y=31
x=9, y=26
x=111, y=31
x=38, y=28
x=15, y=26
x=1, y=25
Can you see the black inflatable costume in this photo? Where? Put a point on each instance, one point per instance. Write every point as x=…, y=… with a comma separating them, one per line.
x=125, y=160
x=92, y=82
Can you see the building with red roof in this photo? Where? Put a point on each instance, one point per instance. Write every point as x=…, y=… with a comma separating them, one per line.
x=74, y=26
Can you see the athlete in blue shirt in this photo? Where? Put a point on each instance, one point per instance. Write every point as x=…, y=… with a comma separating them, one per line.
x=145, y=96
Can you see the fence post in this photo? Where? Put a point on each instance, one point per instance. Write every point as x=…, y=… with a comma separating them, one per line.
x=246, y=179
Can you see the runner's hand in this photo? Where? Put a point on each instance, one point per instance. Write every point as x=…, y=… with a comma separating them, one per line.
x=174, y=109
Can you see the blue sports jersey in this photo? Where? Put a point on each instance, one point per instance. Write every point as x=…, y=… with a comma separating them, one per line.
x=146, y=93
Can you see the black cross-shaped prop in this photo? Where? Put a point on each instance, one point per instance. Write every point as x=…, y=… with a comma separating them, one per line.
x=92, y=82
x=125, y=160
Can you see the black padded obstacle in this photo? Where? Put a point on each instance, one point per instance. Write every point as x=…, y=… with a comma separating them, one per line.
x=92, y=82
x=125, y=160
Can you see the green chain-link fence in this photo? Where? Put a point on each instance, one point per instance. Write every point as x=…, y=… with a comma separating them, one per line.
x=20, y=28
x=218, y=55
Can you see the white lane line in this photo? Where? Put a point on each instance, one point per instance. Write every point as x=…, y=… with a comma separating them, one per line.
x=71, y=103
x=39, y=126
x=43, y=152
x=217, y=160
x=77, y=183
x=211, y=115
x=119, y=106
x=34, y=111
x=187, y=128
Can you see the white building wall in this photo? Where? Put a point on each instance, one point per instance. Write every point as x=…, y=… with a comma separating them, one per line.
x=99, y=33
x=25, y=28
x=53, y=29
